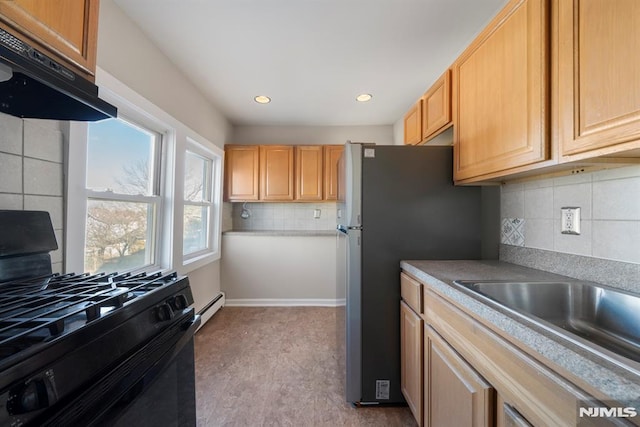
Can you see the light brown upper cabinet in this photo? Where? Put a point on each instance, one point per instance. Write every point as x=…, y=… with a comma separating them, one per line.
x=68, y=28
x=598, y=77
x=500, y=95
x=332, y=155
x=276, y=172
x=309, y=159
x=436, y=107
x=241, y=172
x=282, y=173
x=413, y=124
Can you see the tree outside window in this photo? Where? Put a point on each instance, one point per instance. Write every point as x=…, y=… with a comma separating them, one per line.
x=123, y=192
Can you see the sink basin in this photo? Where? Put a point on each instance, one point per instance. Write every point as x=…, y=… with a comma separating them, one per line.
x=596, y=316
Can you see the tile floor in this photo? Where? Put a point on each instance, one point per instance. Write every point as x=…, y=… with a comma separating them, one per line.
x=277, y=366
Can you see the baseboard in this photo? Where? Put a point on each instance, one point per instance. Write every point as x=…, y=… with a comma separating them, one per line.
x=212, y=308
x=274, y=302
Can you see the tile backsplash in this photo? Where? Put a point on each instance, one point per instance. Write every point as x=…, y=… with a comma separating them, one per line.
x=609, y=201
x=284, y=216
x=31, y=171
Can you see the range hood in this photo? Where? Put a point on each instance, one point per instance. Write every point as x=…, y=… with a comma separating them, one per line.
x=34, y=85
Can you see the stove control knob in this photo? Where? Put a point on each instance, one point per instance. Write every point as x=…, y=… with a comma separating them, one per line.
x=164, y=312
x=33, y=395
x=180, y=302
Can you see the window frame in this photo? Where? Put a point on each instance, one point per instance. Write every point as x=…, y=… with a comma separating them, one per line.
x=157, y=199
x=176, y=139
x=212, y=252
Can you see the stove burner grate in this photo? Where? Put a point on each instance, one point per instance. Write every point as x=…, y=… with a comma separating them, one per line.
x=40, y=309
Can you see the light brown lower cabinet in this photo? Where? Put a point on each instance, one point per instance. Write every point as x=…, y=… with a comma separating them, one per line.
x=455, y=394
x=474, y=376
x=411, y=359
x=508, y=416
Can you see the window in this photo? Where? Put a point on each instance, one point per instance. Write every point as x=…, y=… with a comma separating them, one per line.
x=144, y=192
x=200, y=181
x=123, y=196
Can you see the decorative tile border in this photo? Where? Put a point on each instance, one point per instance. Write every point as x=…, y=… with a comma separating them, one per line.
x=512, y=231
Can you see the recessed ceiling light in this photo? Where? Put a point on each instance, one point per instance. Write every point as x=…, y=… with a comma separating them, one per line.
x=364, y=97
x=261, y=99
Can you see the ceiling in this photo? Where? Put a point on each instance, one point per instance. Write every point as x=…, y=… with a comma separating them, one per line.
x=312, y=57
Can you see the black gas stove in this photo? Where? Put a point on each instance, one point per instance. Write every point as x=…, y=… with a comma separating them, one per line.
x=82, y=349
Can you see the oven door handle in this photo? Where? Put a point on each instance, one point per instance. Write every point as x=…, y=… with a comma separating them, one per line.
x=190, y=329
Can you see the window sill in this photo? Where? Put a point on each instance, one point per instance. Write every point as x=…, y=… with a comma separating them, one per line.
x=199, y=261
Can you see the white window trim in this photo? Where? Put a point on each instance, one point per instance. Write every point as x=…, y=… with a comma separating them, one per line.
x=215, y=214
x=176, y=138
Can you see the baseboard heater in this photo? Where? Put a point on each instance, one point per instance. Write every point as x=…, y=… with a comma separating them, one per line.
x=210, y=309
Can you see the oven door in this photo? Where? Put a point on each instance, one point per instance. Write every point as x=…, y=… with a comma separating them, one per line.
x=155, y=386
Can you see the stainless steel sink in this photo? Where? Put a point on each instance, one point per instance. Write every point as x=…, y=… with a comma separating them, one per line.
x=596, y=316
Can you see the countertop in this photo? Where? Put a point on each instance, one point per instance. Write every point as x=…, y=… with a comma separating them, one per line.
x=593, y=373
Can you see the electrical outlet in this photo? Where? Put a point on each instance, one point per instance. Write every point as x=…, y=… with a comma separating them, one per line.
x=316, y=213
x=570, y=220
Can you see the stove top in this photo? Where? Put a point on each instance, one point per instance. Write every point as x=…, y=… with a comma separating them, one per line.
x=73, y=346
x=43, y=309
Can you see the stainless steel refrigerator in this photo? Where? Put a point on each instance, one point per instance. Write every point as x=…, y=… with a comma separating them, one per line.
x=395, y=203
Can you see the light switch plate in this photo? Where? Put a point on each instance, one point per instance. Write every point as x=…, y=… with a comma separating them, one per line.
x=570, y=220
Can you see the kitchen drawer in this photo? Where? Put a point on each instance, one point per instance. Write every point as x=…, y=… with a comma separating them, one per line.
x=411, y=291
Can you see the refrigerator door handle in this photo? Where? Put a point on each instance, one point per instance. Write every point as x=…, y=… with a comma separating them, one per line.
x=345, y=228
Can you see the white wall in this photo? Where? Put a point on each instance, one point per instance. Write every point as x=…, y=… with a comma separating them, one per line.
x=311, y=135
x=128, y=55
x=398, y=132
x=279, y=270
x=610, y=209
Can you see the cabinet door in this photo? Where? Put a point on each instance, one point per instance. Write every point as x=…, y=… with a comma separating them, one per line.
x=436, y=106
x=455, y=394
x=500, y=94
x=276, y=172
x=241, y=173
x=332, y=155
x=413, y=124
x=309, y=172
x=598, y=76
x=67, y=27
x=411, y=359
